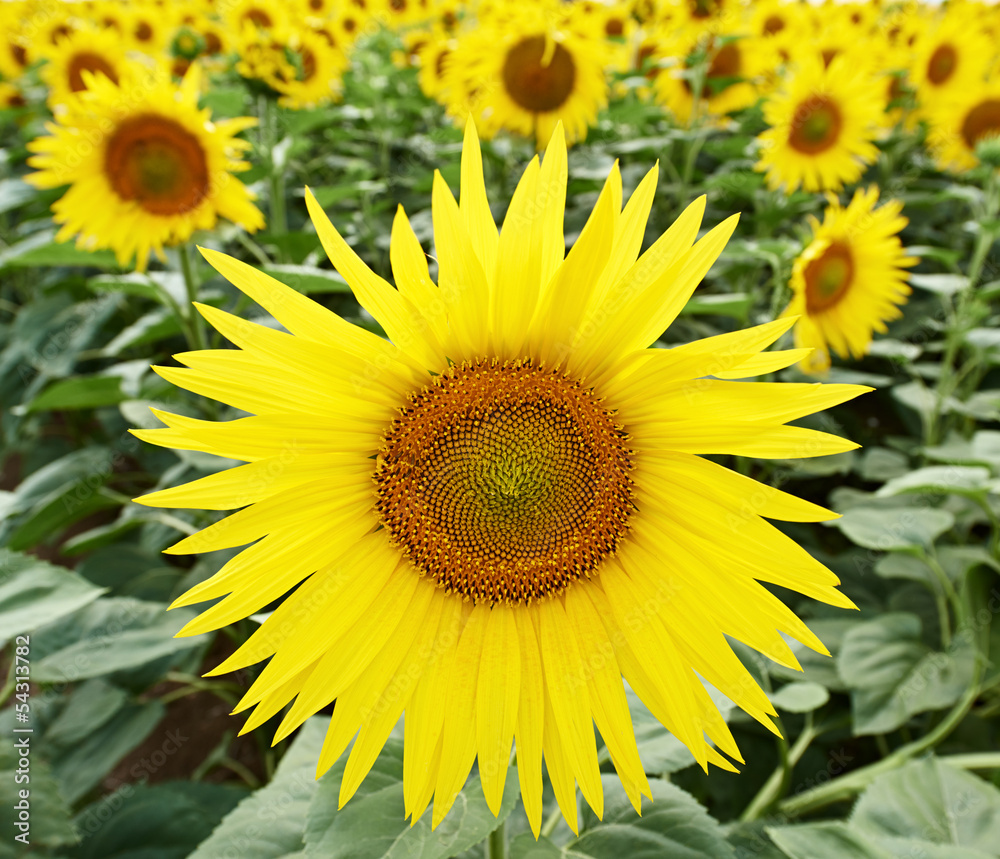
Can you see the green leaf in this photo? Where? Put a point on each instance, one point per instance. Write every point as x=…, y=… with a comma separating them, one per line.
x=308, y=279
x=832, y=840
x=33, y=593
x=735, y=304
x=166, y=821
x=982, y=449
x=893, y=675
x=40, y=250
x=372, y=824
x=941, y=284
x=957, y=479
x=801, y=696
x=82, y=767
x=271, y=822
x=90, y=705
x=110, y=635
x=674, y=824
x=81, y=392
x=933, y=801
x=888, y=529
x=881, y=463
x=49, y=813
x=15, y=193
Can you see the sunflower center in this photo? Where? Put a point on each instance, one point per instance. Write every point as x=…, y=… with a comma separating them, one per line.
x=158, y=163
x=942, y=64
x=982, y=121
x=815, y=126
x=504, y=482
x=537, y=75
x=85, y=61
x=773, y=24
x=828, y=277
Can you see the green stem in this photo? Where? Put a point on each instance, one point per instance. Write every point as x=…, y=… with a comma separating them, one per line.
x=777, y=785
x=276, y=180
x=848, y=786
x=550, y=824
x=196, y=326
x=496, y=844
x=973, y=761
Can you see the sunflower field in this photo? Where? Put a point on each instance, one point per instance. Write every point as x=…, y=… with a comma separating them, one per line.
x=520, y=430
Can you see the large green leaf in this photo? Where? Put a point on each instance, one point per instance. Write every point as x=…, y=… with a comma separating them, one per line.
x=49, y=814
x=82, y=767
x=90, y=705
x=832, y=840
x=886, y=529
x=958, y=479
x=33, y=593
x=271, y=822
x=112, y=634
x=166, y=821
x=372, y=825
x=41, y=250
x=893, y=675
x=81, y=392
x=932, y=801
x=674, y=825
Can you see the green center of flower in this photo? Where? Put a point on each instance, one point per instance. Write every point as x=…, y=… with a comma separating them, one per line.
x=158, y=163
x=815, y=126
x=828, y=277
x=539, y=75
x=504, y=482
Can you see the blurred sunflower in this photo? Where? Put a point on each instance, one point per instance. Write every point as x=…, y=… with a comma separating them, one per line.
x=317, y=67
x=949, y=56
x=731, y=69
x=143, y=173
x=473, y=513
x=11, y=97
x=522, y=74
x=961, y=124
x=95, y=51
x=822, y=124
x=850, y=280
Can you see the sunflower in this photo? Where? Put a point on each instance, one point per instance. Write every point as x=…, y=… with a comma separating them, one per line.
x=950, y=56
x=732, y=67
x=958, y=126
x=850, y=280
x=493, y=516
x=821, y=126
x=522, y=74
x=11, y=98
x=143, y=172
x=95, y=51
x=318, y=67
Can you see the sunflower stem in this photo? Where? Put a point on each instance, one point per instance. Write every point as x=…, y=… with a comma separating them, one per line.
x=496, y=844
x=551, y=822
x=276, y=169
x=848, y=786
x=777, y=785
x=196, y=330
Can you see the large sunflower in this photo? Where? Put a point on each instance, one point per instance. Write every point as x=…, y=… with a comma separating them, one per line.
x=822, y=125
x=143, y=172
x=951, y=55
x=519, y=72
x=493, y=516
x=850, y=280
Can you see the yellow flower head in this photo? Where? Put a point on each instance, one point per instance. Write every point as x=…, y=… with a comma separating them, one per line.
x=146, y=167
x=850, y=280
x=521, y=73
x=960, y=125
x=822, y=126
x=85, y=52
x=490, y=517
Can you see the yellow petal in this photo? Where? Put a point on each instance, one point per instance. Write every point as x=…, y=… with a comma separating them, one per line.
x=474, y=205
